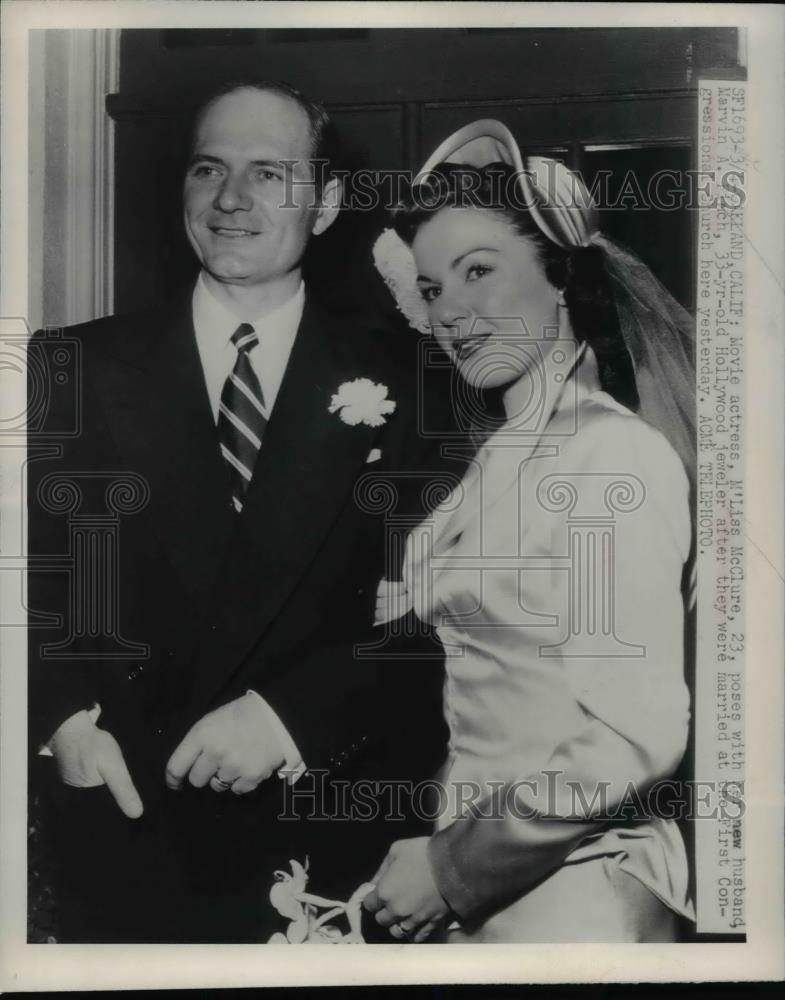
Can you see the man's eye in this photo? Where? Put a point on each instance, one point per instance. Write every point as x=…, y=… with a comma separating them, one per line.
x=268, y=175
x=205, y=170
x=429, y=293
x=477, y=271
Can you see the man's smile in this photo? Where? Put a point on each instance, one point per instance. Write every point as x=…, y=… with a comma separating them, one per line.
x=232, y=232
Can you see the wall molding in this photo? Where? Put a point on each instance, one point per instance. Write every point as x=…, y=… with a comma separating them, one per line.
x=71, y=207
x=92, y=71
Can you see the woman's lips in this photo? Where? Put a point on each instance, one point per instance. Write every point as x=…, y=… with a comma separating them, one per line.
x=464, y=349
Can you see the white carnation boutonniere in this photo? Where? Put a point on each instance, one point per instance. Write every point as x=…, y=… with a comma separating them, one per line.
x=362, y=402
x=395, y=262
x=306, y=924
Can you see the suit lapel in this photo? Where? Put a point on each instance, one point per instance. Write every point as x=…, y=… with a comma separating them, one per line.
x=303, y=476
x=156, y=401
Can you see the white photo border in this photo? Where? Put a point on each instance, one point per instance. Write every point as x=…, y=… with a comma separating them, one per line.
x=36, y=967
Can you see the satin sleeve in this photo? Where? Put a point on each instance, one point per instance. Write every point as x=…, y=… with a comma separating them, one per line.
x=635, y=707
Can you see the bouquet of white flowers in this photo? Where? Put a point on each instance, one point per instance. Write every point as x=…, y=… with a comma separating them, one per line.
x=307, y=925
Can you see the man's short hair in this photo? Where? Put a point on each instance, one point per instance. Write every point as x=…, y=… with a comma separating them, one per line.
x=325, y=149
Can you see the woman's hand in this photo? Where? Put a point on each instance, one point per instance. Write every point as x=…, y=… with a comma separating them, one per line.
x=392, y=601
x=406, y=898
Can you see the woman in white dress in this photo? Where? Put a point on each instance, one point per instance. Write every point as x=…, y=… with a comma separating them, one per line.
x=555, y=573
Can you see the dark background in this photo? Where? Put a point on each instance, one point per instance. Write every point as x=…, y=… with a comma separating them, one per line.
x=597, y=98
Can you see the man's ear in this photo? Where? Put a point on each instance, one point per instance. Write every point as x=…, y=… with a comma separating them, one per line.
x=329, y=206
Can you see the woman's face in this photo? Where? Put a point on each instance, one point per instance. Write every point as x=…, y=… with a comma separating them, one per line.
x=489, y=301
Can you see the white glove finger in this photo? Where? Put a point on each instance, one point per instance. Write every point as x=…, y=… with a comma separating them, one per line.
x=112, y=768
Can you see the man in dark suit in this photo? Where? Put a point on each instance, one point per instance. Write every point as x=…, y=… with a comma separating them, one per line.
x=238, y=425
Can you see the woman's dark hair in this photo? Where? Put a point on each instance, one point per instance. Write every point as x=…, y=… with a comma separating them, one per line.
x=580, y=273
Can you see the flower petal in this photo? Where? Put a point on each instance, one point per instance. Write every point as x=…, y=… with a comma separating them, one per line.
x=326, y=934
x=282, y=897
x=299, y=876
x=395, y=262
x=297, y=931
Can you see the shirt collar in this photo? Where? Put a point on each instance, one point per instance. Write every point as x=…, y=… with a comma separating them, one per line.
x=214, y=324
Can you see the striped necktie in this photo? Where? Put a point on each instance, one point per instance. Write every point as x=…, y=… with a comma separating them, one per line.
x=241, y=415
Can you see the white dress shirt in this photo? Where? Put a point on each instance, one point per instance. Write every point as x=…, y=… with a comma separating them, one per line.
x=214, y=325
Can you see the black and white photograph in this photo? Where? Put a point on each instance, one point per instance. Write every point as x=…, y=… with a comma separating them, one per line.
x=391, y=448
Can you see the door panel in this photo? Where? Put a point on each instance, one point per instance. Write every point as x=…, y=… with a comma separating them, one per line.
x=637, y=183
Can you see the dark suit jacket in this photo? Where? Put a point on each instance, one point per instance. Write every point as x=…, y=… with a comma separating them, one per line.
x=191, y=604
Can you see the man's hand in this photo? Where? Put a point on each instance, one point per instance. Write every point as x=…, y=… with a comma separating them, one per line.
x=88, y=756
x=406, y=898
x=233, y=747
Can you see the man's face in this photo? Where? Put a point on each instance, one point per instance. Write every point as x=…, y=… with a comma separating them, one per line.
x=236, y=187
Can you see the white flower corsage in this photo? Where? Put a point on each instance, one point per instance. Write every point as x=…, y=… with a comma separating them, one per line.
x=362, y=402
x=301, y=908
x=394, y=261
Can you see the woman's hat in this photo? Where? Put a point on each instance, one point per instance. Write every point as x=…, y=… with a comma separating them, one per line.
x=556, y=197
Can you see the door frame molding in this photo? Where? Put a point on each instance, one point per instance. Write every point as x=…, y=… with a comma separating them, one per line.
x=93, y=72
x=72, y=143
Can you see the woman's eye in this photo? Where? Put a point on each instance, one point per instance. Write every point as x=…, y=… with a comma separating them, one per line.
x=477, y=271
x=267, y=175
x=205, y=170
x=429, y=293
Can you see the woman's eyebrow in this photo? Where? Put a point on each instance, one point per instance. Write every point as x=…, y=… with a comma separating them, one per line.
x=466, y=253
x=456, y=262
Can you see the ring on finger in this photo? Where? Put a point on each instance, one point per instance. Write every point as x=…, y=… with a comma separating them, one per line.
x=224, y=784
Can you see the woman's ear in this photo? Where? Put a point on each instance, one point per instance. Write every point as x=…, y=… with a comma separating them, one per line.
x=560, y=300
